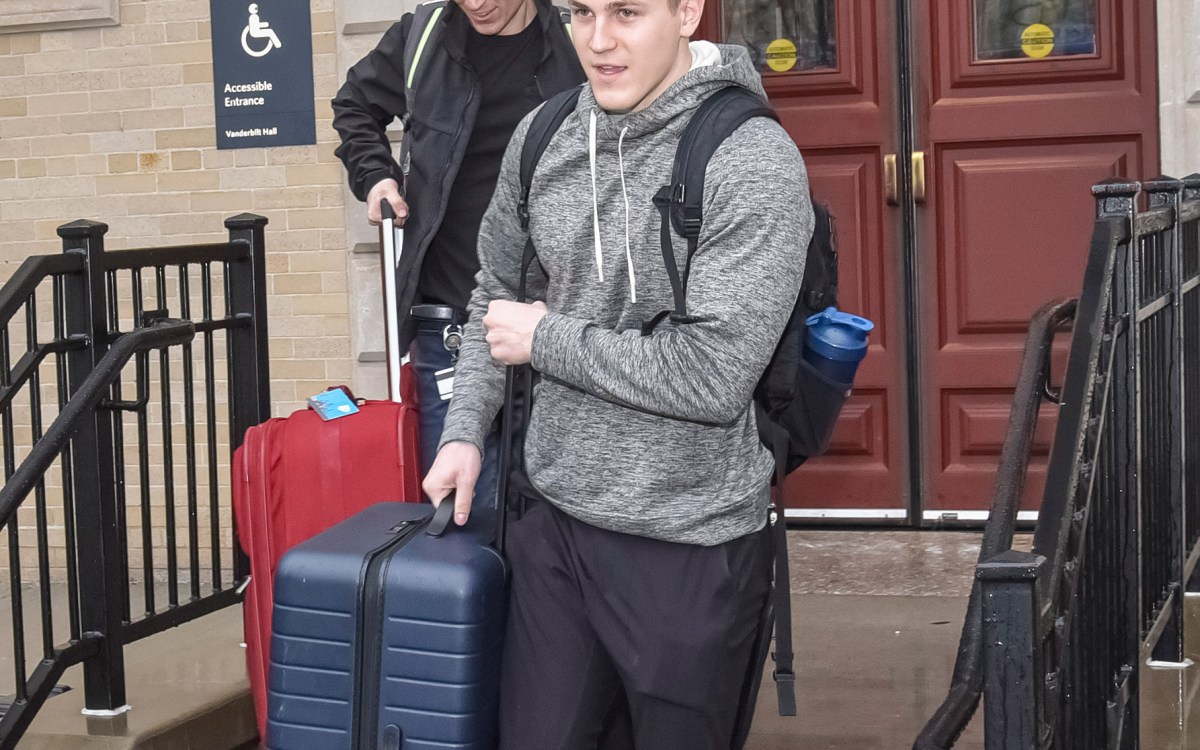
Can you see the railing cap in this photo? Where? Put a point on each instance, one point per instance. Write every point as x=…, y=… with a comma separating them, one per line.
x=82, y=228
x=1115, y=187
x=1162, y=184
x=1010, y=565
x=1191, y=186
x=1163, y=191
x=1115, y=197
x=245, y=221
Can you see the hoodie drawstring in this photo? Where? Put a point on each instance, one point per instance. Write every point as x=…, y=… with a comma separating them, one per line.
x=625, y=195
x=595, y=200
x=596, y=205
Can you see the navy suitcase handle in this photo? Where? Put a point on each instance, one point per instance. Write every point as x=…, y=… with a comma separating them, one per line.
x=442, y=516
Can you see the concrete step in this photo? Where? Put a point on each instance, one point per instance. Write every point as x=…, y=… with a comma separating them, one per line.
x=186, y=688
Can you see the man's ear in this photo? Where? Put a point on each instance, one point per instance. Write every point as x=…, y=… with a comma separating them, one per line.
x=689, y=13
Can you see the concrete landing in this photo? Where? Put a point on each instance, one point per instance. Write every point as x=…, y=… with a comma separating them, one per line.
x=877, y=616
x=876, y=622
x=186, y=688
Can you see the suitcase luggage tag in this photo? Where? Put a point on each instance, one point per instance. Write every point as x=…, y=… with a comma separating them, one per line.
x=332, y=404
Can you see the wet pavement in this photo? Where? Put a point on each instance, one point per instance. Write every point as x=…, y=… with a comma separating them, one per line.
x=876, y=621
x=186, y=689
x=870, y=670
x=877, y=616
x=1170, y=697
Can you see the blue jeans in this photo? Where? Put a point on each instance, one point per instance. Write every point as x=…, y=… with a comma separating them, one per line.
x=433, y=364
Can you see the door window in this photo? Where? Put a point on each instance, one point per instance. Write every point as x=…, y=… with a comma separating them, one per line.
x=784, y=36
x=1033, y=29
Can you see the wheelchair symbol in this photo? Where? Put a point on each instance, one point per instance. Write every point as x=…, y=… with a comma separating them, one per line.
x=256, y=29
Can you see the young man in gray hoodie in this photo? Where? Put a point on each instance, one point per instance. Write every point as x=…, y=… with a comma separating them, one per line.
x=642, y=571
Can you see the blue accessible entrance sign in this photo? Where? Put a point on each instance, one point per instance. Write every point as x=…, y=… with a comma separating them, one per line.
x=262, y=73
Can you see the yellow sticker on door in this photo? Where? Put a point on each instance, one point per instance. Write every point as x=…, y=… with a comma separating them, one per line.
x=781, y=55
x=1037, y=40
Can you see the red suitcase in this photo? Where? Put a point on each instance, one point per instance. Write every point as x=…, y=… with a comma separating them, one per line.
x=295, y=477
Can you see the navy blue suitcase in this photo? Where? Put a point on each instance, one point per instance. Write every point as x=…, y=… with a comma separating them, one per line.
x=387, y=638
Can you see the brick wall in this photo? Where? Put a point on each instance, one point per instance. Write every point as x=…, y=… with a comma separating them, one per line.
x=106, y=113
x=116, y=124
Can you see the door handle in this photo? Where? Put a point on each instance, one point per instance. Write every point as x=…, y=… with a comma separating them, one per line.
x=891, y=187
x=918, y=176
x=891, y=178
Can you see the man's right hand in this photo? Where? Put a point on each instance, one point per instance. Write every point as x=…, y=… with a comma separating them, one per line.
x=456, y=468
x=386, y=190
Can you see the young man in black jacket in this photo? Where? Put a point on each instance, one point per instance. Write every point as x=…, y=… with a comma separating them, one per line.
x=460, y=75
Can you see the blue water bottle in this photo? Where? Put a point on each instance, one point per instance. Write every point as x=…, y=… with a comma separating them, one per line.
x=836, y=342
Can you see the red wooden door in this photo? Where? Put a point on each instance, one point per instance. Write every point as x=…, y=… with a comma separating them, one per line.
x=1007, y=112
x=1021, y=106
x=830, y=77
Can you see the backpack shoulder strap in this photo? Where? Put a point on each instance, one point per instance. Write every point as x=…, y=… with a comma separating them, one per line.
x=425, y=19
x=543, y=127
x=819, y=289
x=681, y=202
x=564, y=15
x=715, y=120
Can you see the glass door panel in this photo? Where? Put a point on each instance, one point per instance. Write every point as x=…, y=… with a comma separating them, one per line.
x=783, y=36
x=1034, y=29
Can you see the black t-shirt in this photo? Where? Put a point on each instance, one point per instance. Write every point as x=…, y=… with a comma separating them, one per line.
x=505, y=67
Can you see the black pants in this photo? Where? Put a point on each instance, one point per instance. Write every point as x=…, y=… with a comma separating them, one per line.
x=597, y=618
x=430, y=357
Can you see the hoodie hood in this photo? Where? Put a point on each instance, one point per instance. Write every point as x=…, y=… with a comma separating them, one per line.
x=714, y=67
x=679, y=100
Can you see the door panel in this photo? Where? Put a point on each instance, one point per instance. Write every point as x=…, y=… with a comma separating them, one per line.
x=1015, y=143
x=1057, y=29
x=850, y=180
x=840, y=112
x=998, y=206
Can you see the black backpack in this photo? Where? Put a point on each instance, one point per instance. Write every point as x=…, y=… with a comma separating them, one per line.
x=795, y=406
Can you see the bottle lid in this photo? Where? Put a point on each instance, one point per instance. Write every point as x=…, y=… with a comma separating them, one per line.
x=837, y=317
x=837, y=335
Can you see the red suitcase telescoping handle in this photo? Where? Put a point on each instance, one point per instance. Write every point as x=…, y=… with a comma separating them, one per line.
x=391, y=245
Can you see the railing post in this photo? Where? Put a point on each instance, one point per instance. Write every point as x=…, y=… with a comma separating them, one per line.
x=93, y=475
x=249, y=372
x=1013, y=674
x=1191, y=188
x=1168, y=649
x=250, y=381
x=1117, y=199
x=1189, y=248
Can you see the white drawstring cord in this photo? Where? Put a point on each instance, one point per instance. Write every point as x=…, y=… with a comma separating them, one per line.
x=595, y=202
x=625, y=195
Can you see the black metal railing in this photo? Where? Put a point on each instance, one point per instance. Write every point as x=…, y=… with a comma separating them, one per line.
x=1033, y=388
x=1060, y=632
x=148, y=365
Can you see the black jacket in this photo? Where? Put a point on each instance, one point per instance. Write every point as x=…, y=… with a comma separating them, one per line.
x=439, y=112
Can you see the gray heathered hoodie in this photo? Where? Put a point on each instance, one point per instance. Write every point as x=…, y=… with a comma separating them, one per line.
x=653, y=436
